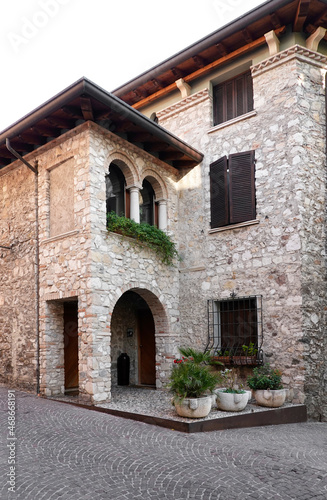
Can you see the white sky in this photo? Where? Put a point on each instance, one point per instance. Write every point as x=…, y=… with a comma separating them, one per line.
x=46, y=45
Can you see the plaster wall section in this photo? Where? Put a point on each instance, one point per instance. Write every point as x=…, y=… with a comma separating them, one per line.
x=17, y=276
x=281, y=257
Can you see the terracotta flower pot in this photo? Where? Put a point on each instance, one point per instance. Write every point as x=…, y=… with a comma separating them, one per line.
x=270, y=398
x=194, y=407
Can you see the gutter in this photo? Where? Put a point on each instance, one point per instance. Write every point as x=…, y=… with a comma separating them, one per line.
x=214, y=38
x=37, y=259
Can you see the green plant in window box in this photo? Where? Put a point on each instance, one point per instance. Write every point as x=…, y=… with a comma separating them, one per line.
x=144, y=234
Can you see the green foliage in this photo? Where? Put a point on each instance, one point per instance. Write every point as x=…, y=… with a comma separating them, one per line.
x=249, y=350
x=191, y=376
x=146, y=234
x=229, y=378
x=264, y=378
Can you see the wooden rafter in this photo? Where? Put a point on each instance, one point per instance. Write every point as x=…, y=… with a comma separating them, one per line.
x=86, y=108
x=247, y=36
x=203, y=71
x=301, y=14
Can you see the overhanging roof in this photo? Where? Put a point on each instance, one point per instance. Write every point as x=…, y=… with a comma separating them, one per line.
x=84, y=101
x=246, y=31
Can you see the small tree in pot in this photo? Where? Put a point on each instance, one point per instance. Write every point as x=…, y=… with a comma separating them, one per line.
x=266, y=383
x=192, y=382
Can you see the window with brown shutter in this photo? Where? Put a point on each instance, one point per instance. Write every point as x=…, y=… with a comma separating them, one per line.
x=233, y=98
x=232, y=189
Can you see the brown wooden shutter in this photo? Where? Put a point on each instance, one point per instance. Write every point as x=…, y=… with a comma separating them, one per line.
x=241, y=187
x=249, y=89
x=219, y=193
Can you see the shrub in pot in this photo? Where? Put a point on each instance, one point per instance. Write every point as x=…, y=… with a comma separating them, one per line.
x=192, y=382
x=231, y=398
x=266, y=383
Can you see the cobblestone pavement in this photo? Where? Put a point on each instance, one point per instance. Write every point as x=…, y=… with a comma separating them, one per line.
x=65, y=452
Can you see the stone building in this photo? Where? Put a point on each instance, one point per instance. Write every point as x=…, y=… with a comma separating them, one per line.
x=223, y=147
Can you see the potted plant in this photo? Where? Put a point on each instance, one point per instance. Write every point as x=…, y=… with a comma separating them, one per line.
x=221, y=357
x=192, y=382
x=248, y=355
x=266, y=383
x=231, y=398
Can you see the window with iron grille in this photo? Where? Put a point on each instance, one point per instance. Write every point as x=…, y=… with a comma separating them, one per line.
x=232, y=189
x=233, y=98
x=235, y=327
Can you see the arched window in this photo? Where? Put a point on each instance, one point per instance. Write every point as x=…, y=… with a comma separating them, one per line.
x=147, y=204
x=115, y=191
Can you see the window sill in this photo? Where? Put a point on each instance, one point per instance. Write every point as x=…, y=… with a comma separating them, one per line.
x=60, y=236
x=232, y=121
x=234, y=226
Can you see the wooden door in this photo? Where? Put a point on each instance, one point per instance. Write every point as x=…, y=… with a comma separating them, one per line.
x=71, y=345
x=147, y=350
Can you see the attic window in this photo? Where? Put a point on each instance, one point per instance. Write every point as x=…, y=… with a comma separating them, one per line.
x=233, y=98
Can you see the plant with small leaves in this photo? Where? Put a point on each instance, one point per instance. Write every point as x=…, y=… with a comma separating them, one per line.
x=265, y=377
x=230, y=377
x=144, y=234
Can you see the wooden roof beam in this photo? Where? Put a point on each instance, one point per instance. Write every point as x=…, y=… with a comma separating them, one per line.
x=86, y=108
x=275, y=21
x=203, y=71
x=177, y=73
x=301, y=15
x=247, y=36
x=45, y=131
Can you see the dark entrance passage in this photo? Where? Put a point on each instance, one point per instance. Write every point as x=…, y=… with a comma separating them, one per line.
x=71, y=346
x=147, y=349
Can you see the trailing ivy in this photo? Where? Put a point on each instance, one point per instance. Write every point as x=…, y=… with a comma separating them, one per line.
x=145, y=234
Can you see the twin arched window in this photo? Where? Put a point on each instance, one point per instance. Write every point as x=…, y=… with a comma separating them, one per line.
x=118, y=197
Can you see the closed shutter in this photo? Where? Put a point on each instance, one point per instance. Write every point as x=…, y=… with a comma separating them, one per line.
x=249, y=90
x=219, y=105
x=241, y=187
x=219, y=193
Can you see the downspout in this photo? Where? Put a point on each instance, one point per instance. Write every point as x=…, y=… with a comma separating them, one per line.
x=37, y=259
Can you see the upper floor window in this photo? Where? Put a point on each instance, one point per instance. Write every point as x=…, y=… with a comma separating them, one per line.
x=232, y=189
x=116, y=195
x=233, y=98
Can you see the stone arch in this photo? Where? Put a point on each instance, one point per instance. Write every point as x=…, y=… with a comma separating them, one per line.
x=157, y=183
x=125, y=311
x=126, y=165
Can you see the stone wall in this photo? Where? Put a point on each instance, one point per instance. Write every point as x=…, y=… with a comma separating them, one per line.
x=17, y=277
x=281, y=256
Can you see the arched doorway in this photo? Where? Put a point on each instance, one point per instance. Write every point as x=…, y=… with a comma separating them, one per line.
x=133, y=332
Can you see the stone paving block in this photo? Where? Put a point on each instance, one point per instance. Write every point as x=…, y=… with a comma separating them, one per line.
x=66, y=452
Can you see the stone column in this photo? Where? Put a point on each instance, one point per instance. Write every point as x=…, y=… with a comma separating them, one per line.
x=162, y=214
x=135, y=203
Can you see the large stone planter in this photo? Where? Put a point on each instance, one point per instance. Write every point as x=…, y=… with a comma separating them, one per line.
x=270, y=398
x=194, y=407
x=231, y=402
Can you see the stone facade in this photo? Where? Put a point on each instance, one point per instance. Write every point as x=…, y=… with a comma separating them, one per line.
x=280, y=255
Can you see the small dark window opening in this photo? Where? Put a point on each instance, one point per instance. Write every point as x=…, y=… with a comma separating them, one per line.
x=147, y=203
x=233, y=98
x=232, y=189
x=235, y=327
x=115, y=190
